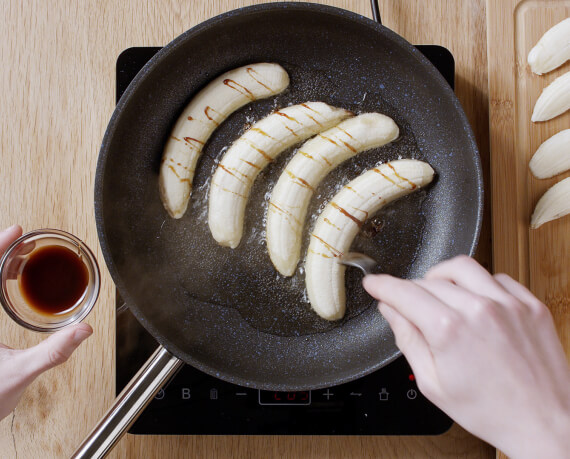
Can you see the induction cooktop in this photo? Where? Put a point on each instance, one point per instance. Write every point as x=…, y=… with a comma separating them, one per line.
x=386, y=402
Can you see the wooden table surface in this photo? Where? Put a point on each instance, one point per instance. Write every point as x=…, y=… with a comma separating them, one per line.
x=58, y=90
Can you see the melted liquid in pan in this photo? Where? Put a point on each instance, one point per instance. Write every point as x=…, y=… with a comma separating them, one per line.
x=244, y=278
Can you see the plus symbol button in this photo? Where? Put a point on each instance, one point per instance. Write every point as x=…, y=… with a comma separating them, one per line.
x=328, y=394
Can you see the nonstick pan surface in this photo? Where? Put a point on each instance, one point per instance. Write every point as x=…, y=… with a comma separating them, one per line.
x=228, y=312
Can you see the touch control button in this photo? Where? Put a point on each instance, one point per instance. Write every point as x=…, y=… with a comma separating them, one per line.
x=383, y=394
x=412, y=394
x=160, y=394
x=328, y=394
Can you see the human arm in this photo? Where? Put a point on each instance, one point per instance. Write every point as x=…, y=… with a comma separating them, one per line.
x=484, y=349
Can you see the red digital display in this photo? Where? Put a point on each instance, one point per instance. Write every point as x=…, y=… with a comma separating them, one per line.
x=284, y=398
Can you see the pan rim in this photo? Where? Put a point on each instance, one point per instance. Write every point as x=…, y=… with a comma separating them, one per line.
x=151, y=66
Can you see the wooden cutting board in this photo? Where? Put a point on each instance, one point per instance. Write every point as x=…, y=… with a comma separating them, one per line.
x=538, y=258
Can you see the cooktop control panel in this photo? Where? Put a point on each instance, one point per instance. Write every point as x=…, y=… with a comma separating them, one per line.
x=386, y=402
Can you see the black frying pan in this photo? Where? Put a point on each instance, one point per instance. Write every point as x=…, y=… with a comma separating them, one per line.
x=227, y=312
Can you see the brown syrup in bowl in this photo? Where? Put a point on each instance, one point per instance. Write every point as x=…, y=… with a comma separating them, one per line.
x=53, y=279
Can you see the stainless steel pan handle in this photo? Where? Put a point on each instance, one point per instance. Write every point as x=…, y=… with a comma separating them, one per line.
x=134, y=398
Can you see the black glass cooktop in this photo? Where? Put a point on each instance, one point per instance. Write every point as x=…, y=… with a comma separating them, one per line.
x=386, y=402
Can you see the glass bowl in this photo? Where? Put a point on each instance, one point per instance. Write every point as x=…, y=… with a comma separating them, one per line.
x=31, y=265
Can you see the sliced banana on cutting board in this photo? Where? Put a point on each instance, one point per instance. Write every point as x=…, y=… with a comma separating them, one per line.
x=314, y=160
x=552, y=50
x=251, y=153
x=554, y=99
x=210, y=107
x=552, y=157
x=553, y=204
x=340, y=222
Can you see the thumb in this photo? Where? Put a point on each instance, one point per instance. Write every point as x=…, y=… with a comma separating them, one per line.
x=8, y=236
x=56, y=349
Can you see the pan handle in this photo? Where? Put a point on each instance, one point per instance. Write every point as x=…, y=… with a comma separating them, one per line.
x=134, y=398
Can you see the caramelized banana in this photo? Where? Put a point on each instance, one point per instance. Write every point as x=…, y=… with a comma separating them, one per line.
x=253, y=151
x=340, y=222
x=207, y=110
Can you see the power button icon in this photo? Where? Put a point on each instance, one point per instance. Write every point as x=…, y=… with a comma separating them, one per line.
x=412, y=394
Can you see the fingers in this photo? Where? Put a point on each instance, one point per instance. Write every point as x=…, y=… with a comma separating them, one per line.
x=456, y=280
x=413, y=345
x=447, y=292
x=466, y=303
x=465, y=272
x=8, y=236
x=56, y=349
x=519, y=291
x=413, y=302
